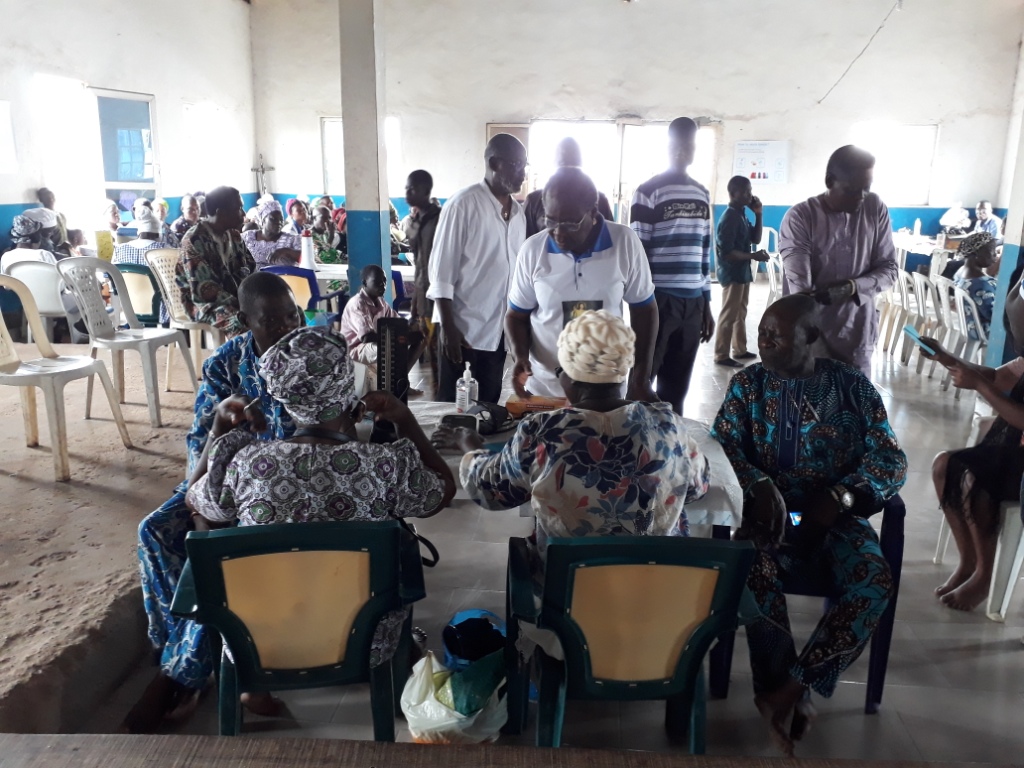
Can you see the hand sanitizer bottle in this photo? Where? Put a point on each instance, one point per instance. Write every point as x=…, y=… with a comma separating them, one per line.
x=466, y=392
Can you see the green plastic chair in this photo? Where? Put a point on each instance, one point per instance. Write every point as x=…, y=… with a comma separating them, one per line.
x=635, y=617
x=144, y=291
x=296, y=605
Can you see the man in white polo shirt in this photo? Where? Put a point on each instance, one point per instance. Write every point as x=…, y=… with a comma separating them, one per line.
x=479, y=233
x=579, y=262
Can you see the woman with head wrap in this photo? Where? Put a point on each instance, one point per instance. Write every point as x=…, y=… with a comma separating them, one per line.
x=602, y=466
x=323, y=473
x=269, y=244
x=111, y=216
x=979, y=253
x=27, y=234
x=298, y=217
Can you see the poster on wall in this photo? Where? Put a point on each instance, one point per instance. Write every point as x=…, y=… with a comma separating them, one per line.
x=766, y=162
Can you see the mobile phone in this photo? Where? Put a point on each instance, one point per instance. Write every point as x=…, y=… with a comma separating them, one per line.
x=459, y=420
x=796, y=517
x=911, y=331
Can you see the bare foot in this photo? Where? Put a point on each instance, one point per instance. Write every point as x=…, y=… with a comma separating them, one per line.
x=262, y=704
x=960, y=576
x=804, y=715
x=161, y=697
x=968, y=595
x=777, y=709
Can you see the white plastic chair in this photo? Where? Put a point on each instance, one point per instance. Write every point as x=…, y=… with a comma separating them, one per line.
x=774, y=269
x=164, y=262
x=900, y=313
x=916, y=313
x=971, y=350
x=935, y=317
x=80, y=276
x=44, y=283
x=769, y=236
x=50, y=373
x=1009, y=549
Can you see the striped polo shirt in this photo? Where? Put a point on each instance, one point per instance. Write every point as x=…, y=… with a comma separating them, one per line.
x=671, y=214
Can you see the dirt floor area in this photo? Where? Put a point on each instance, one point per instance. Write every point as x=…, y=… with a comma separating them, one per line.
x=71, y=622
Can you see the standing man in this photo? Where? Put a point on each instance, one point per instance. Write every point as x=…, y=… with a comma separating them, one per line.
x=580, y=263
x=734, y=243
x=480, y=230
x=213, y=263
x=671, y=214
x=567, y=155
x=987, y=221
x=839, y=247
x=49, y=201
x=420, y=228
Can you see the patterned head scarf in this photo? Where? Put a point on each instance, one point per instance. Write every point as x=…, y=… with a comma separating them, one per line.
x=267, y=207
x=310, y=373
x=974, y=243
x=42, y=216
x=23, y=228
x=597, y=347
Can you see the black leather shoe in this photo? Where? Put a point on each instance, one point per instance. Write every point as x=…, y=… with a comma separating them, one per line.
x=729, y=363
x=746, y=356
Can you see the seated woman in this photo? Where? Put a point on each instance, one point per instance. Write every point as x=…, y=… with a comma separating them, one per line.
x=322, y=473
x=269, y=244
x=298, y=217
x=972, y=482
x=979, y=252
x=603, y=466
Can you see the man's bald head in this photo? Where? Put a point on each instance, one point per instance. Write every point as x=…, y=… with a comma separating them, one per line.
x=504, y=145
x=260, y=285
x=786, y=336
x=799, y=309
x=506, y=164
x=568, y=153
x=571, y=186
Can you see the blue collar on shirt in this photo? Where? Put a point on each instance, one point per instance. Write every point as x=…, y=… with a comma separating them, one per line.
x=603, y=243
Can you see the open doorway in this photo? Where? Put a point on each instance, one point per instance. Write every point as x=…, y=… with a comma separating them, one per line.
x=645, y=154
x=617, y=156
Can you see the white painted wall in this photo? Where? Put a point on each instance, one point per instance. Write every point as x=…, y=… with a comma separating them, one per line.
x=454, y=65
x=191, y=51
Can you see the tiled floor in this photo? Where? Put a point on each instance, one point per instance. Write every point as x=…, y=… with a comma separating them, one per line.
x=955, y=688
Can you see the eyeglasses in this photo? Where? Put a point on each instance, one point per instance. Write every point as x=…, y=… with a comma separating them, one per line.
x=516, y=165
x=566, y=226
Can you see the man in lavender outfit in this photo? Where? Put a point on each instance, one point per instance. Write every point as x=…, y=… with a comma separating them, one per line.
x=838, y=246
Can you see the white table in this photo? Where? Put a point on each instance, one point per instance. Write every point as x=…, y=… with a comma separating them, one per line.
x=721, y=505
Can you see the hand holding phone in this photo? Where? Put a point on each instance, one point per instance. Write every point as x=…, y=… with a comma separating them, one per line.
x=911, y=331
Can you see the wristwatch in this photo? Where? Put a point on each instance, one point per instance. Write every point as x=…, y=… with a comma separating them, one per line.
x=843, y=496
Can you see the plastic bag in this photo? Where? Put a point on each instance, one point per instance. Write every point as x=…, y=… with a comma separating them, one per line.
x=432, y=722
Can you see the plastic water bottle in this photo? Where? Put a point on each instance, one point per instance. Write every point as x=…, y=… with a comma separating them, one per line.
x=466, y=391
x=306, y=260
x=917, y=227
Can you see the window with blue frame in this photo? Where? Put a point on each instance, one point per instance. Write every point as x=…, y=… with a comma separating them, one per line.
x=126, y=135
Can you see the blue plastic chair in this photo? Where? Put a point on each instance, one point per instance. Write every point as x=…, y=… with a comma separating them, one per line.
x=304, y=285
x=403, y=301
x=891, y=538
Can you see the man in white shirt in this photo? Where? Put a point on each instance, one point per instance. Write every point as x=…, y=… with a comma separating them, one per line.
x=579, y=262
x=479, y=233
x=988, y=221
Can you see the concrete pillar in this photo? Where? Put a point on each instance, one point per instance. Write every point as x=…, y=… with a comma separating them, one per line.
x=362, y=113
x=1014, y=233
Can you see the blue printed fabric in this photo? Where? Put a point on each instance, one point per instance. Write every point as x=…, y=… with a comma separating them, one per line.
x=851, y=562
x=184, y=656
x=982, y=291
x=844, y=434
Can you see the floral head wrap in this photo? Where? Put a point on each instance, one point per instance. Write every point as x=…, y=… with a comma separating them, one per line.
x=310, y=373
